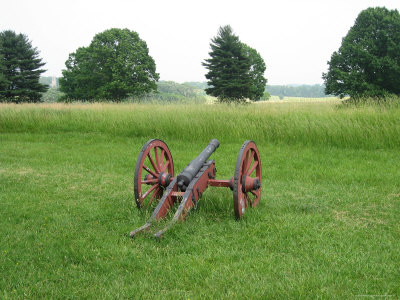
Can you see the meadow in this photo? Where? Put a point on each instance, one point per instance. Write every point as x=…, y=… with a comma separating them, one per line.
x=327, y=225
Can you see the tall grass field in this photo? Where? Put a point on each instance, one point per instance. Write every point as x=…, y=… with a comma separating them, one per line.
x=328, y=224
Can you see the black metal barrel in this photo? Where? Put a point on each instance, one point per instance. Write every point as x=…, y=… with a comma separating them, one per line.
x=193, y=168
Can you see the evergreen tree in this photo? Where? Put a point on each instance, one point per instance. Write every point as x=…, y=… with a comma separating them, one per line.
x=116, y=65
x=368, y=61
x=3, y=81
x=21, y=69
x=228, y=68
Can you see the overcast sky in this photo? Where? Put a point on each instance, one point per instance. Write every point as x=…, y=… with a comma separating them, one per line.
x=295, y=38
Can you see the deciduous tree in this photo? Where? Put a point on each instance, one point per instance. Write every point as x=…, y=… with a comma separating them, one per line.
x=256, y=72
x=116, y=65
x=368, y=61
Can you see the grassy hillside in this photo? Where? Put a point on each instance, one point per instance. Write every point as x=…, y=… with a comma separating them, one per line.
x=327, y=225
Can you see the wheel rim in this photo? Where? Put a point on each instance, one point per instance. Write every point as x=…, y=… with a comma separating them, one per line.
x=247, y=172
x=154, y=169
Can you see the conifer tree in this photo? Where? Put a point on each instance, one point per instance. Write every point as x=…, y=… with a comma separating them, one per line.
x=235, y=71
x=3, y=81
x=21, y=69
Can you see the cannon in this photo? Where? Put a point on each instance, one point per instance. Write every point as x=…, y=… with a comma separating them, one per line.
x=154, y=181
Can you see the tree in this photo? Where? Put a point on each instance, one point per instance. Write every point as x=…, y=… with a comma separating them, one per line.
x=116, y=65
x=3, y=81
x=266, y=96
x=256, y=72
x=21, y=69
x=368, y=61
x=235, y=71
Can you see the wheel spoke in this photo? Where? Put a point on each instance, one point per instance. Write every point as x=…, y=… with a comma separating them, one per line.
x=253, y=167
x=149, y=181
x=150, y=171
x=248, y=162
x=162, y=158
x=256, y=198
x=156, y=154
x=255, y=193
x=152, y=163
x=149, y=191
x=154, y=195
x=244, y=161
x=165, y=166
x=248, y=200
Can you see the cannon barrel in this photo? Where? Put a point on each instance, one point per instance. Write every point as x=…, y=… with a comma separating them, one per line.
x=187, y=175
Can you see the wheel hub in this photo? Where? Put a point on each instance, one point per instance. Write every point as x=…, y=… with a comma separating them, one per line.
x=250, y=184
x=164, y=179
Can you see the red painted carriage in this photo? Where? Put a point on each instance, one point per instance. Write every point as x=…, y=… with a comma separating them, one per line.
x=154, y=179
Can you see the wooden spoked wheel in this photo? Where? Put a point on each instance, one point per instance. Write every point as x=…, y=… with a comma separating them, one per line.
x=153, y=172
x=247, y=179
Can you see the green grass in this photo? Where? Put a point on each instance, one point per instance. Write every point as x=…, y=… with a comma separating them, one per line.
x=310, y=124
x=327, y=227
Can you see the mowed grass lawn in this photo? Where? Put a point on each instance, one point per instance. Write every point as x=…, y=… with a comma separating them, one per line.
x=327, y=226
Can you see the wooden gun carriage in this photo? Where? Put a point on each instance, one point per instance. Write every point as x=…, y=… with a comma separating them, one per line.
x=154, y=179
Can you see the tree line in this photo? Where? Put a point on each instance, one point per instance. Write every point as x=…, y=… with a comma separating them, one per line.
x=304, y=90
x=116, y=65
x=167, y=91
x=174, y=91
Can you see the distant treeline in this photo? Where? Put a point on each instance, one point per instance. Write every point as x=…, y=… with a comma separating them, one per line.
x=307, y=91
x=48, y=81
x=166, y=91
x=186, y=89
x=173, y=91
x=304, y=90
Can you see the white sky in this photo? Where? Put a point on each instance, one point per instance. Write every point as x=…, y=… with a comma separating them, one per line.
x=295, y=38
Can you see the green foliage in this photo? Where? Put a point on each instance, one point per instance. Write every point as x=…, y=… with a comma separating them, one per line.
x=53, y=94
x=307, y=91
x=198, y=85
x=304, y=90
x=368, y=61
x=167, y=91
x=228, y=67
x=265, y=96
x=170, y=91
x=256, y=72
x=20, y=69
x=171, y=87
x=3, y=81
x=235, y=71
x=116, y=65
